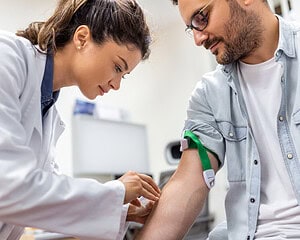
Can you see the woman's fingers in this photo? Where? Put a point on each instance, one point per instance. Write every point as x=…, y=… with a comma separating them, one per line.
x=150, y=181
x=150, y=190
x=138, y=214
x=136, y=202
x=139, y=185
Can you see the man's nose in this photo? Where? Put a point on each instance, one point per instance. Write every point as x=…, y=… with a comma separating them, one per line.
x=199, y=37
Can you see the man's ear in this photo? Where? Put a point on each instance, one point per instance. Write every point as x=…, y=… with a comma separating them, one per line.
x=82, y=36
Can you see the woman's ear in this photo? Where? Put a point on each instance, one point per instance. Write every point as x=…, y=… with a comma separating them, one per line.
x=81, y=36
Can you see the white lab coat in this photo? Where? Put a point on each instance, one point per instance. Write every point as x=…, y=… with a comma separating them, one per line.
x=31, y=193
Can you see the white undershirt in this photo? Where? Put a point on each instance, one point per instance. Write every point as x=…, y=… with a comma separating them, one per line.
x=279, y=213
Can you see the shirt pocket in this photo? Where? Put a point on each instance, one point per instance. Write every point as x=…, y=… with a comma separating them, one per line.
x=235, y=149
x=231, y=132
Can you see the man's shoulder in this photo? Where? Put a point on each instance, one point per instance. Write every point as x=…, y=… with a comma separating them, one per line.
x=214, y=83
x=218, y=76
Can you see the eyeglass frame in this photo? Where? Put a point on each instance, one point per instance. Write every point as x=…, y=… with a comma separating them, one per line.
x=190, y=27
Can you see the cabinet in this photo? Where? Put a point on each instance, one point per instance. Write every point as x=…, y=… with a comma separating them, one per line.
x=102, y=147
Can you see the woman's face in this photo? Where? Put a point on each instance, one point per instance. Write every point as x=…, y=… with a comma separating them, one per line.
x=94, y=68
x=101, y=68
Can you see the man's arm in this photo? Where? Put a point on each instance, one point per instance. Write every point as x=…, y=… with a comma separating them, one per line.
x=181, y=200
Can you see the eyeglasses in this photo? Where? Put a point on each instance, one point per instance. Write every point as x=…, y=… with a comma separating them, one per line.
x=199, y=20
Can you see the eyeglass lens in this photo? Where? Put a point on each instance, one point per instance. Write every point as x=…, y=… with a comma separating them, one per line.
x=199, y=21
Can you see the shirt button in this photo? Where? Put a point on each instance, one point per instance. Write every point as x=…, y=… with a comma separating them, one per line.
x=230, y=134
x=290, y=156
x=248, y=238
x=252, y=200
x=255, y=162
x=281, y=118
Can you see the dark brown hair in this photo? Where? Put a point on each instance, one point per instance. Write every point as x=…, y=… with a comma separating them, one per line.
x=120, y=20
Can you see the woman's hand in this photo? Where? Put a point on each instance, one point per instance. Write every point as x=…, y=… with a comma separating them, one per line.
x=137, y=185
x=138, y=212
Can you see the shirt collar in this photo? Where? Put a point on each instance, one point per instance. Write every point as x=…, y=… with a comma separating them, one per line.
x=286, y=41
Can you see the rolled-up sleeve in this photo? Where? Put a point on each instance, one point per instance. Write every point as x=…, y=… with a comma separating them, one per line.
x=201, y=121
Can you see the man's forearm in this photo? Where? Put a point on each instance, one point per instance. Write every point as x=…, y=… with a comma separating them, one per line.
x=180, y=203
x=172, y=217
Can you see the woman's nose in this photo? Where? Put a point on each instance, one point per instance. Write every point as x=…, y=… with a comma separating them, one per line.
x=115, y=83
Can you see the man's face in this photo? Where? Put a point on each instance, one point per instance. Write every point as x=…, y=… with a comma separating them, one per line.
x=232, y=32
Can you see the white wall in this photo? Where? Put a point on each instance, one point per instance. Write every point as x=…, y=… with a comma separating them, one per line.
x=16, y=14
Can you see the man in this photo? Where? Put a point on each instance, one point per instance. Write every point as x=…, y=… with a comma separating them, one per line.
x=247, y=110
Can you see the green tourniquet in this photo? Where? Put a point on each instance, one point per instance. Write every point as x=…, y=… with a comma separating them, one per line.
x=194, y=142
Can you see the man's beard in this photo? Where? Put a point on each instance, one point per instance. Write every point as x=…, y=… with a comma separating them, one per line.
x=243, y=35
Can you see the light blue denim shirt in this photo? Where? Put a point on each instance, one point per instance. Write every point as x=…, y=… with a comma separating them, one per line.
x=218, y=115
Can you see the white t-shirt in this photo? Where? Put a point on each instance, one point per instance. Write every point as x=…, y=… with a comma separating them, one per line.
x=279, y=213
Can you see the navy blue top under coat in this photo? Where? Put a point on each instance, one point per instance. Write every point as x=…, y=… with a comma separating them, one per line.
x=48, y=97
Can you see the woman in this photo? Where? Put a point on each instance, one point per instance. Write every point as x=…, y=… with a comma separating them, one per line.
x=91, y=44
